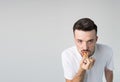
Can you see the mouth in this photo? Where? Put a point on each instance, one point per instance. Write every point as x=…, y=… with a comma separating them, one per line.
x=85, y=53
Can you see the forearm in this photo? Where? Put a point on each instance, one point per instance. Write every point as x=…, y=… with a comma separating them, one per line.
x=109, y=75
x=79, y=77
x=109, y=78
x=86, y=63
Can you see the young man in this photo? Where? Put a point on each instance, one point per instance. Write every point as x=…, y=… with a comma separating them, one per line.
x=88, y=60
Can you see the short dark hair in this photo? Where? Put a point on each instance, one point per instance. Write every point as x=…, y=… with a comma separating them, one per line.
x=85, y=24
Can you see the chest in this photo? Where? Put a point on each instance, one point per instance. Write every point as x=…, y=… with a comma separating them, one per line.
x=99, y=65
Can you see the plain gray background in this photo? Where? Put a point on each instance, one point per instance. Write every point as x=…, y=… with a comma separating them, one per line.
x=33, y=33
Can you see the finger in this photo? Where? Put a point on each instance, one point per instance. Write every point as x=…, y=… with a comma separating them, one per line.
x=92, y=59
x=87, y=62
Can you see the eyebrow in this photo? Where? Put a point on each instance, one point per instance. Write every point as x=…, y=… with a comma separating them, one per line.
x=82, y=40
x=90, y=39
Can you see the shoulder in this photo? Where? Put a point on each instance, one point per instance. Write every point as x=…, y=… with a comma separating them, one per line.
x=103, y=47
x=69, y=51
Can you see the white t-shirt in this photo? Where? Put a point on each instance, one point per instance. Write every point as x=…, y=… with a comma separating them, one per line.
x=103, y=58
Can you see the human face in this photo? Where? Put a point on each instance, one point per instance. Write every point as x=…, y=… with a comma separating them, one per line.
x=85, y=41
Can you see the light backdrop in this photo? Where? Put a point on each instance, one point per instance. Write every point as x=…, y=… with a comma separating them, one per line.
x=33, y=33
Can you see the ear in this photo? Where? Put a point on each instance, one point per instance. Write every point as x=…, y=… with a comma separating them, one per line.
x=96, y=38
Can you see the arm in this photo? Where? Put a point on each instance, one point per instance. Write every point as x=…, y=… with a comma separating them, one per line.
x=108, y=75
x=84, y=65
x=79, y=77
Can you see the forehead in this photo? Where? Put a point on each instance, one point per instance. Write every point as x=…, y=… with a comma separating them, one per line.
x=79, y=34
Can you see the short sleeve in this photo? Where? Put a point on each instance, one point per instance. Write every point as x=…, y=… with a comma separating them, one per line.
x=110, y=62
x=67, y=66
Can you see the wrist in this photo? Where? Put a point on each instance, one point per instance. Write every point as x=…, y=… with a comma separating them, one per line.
x=81, y=71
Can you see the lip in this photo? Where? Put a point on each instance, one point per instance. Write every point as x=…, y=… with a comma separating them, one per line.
x=85, y=51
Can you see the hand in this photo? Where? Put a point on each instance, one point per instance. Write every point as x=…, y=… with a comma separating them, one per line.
x=87, y=63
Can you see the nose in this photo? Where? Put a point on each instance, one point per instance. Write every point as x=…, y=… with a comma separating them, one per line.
x=85, y=46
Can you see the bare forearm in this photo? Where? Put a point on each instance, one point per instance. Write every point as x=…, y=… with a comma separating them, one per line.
x=109, y=75
x=79, y=77
x=85, y=64
x=109, y=78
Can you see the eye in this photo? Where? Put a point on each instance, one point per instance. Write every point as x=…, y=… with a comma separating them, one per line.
x=79, y=41
x=90, y=41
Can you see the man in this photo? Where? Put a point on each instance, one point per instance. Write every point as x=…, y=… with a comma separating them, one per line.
x=99, y=59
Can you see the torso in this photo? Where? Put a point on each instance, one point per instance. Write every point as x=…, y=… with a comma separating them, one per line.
x=95, y=74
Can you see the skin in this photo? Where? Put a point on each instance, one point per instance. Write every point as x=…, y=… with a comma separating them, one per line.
x=86, y=41
x=108, y=75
